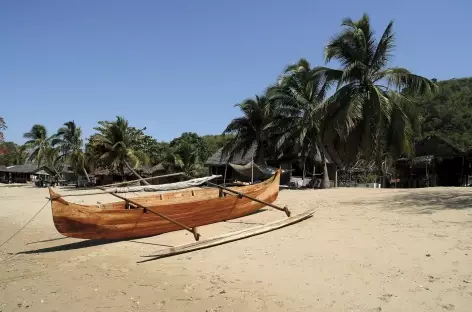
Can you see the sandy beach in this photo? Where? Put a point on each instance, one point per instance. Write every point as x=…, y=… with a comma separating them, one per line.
x=364, y=250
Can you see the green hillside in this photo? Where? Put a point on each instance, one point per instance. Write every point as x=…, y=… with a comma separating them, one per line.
x=449, y=114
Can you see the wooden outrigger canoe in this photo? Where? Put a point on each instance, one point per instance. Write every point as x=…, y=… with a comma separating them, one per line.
x=191, y=208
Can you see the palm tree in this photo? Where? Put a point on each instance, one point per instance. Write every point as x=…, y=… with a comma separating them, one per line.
x=38, y=143
x=52, y=159
x=299, y=100
x=116, y=144
x=253, y=129
x=368, y=104
x=69, y=140
x=186, y=153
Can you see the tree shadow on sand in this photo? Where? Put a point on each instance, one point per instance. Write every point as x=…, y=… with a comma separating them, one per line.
x=421, y=202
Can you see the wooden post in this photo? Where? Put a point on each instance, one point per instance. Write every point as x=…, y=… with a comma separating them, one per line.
x=462, y=172
x=303, y=173
x=252, y=170
x=427, y=178
x=224, y=178
x=335, y=176
x=314, y=176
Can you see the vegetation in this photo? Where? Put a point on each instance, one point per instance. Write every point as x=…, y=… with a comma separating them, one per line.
x=215, y=142
x=298, y=100
x=255, y=128
x=362, y=111
x=116, y=144
x=3, y=126
x=68, y=141
x=38, y=144
x=367, y=106
x=370, y=115
x=186, y=153
x=12, y=154
x=449, y=113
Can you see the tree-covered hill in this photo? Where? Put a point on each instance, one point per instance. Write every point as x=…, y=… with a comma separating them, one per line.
x=449, y=113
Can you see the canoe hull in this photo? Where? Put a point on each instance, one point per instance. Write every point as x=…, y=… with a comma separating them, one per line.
x=192, y=208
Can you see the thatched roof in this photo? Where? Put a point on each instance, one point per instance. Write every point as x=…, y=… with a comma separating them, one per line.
x=240, y=158
x=416, y=161
x=28, y=168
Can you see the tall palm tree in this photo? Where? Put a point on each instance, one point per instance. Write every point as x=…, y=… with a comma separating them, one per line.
x=252, y=129
x=299, y=100
x=116, y=143
x=38, y=143
x=69, y=141
x=368, y=99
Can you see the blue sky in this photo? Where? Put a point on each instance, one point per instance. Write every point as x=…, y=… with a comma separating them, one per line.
x=176, y=66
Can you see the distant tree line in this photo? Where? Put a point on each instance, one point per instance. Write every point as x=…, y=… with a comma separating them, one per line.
x=115, y=145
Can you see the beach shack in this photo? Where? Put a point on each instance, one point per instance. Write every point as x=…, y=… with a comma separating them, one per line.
x=241, y=167
x=437, y=162
x=24, y=173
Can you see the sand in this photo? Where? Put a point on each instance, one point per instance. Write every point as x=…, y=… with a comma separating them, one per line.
x=364, y=250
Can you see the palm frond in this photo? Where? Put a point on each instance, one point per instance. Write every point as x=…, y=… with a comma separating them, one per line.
x=402, y=78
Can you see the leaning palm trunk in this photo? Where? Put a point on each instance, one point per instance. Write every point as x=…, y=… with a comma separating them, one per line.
x=86, y=174
x=325, y=181
x=135, y=173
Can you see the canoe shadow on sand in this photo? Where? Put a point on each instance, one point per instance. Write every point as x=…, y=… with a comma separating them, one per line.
x=82, y=244
x=99, y=242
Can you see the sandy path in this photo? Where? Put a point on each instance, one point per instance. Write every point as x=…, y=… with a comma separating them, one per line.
x=364, y=250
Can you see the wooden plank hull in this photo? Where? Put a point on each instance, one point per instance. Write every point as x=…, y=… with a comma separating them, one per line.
x=191, y=207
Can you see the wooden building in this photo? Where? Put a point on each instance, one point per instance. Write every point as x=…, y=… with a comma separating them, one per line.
x=23, y=173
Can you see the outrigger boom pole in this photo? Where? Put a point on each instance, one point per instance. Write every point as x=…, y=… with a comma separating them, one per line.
x=241, y=195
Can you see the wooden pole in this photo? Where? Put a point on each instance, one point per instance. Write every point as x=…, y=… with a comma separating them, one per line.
x=224, y=179
x=427, y=178
x=191, y=230
x=150, y=178
x=284, y=209
x=335, y=176
x=252, y=170
x=314, y=176
x=462, y=172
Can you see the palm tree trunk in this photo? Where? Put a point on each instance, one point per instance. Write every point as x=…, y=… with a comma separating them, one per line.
x=86, y=174
x=325, y=181
x=135, y=173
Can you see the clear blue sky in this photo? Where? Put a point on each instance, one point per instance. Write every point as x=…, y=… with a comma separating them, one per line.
x=176, y=66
